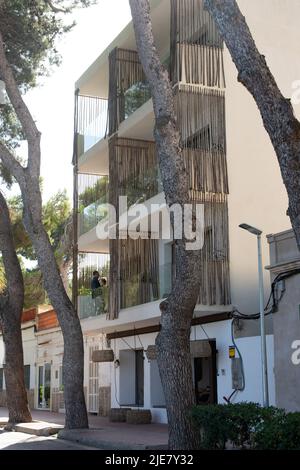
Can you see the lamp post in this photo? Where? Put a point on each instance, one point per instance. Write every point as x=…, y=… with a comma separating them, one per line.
x=264, y=364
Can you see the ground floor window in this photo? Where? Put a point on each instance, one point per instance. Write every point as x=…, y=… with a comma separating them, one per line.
x=44, y=386
x=27, y=376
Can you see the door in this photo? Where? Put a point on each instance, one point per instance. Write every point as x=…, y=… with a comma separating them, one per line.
x=93, y=392
x=44, y=384
x=139, y=377
x=205, y=377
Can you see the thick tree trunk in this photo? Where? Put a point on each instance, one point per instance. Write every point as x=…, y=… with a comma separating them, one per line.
x=174, y=358
x=29, y=181
x=10, y=317
x=16, y=396
x=73, y=359
x=276, y=110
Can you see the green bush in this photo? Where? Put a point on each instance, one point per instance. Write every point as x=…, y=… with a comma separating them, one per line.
x=212, y=421
x=281, y=432
x=246, y=425
x=243, y=418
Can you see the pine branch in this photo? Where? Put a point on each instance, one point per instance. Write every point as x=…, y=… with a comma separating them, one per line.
x=54, y=8
x=29, y=127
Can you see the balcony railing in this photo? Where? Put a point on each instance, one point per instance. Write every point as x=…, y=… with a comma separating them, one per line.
x=88, y=305
x=131, y=292
x=92, y=307
x=92, y=215
x=92, y=201
x=91, y=122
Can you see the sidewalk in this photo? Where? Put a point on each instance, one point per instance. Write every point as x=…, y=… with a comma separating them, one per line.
x=105, y=435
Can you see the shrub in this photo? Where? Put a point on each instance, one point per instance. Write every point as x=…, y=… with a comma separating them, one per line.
x=246, y=425
x=213, y=424
x=281, y=432
x=244, y=418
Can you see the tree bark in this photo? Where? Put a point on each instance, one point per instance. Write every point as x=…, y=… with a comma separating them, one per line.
x=173, y=341
x=276, y=110
x=76, y=414
x=28, y=180
x=11, y=308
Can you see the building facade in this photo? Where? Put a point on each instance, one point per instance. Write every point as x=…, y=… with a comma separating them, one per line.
x=232, y=171
x=285, y=275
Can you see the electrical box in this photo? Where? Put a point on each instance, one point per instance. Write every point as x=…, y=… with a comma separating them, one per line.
x=231, y=352
x=237, y=373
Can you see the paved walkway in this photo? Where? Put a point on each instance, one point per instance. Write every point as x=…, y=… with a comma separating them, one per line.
x=105, y=435
x=21, y=441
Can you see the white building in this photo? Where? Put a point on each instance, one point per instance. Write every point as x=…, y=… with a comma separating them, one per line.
x=233, y=170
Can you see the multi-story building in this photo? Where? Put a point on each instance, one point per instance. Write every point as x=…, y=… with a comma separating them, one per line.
x=232, y=171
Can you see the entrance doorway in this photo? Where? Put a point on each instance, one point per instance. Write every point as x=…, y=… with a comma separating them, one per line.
x=44, y=390
x=139, y=377
x=132, y=377
x=205, y=377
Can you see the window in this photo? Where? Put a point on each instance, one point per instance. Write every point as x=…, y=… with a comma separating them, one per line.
x=199, y=140
x=1, y=378
x=27, y=376
x=61, y=383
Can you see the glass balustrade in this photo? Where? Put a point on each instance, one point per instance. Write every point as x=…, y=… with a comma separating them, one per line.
x=92, y=122
x=144, y=288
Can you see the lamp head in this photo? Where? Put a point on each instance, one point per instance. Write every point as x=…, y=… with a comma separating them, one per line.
x=249, y=228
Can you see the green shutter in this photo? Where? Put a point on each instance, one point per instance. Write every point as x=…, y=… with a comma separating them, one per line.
x=27, y=377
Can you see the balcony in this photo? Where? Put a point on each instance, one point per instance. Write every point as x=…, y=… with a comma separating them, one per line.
x=87, y=305
x=146, y=286
x=92, y=201
x=92, y=121
x=140, y=289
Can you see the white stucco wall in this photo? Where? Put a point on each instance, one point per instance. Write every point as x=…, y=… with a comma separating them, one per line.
x=221, y=331
x=257, y=194
x=29, y=351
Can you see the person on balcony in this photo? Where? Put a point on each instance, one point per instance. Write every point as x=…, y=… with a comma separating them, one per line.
x=97, y=293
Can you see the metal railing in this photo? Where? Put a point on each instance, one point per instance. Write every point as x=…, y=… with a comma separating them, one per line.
x=91, y=122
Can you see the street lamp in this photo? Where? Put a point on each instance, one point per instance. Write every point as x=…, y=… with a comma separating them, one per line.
x=264, y=364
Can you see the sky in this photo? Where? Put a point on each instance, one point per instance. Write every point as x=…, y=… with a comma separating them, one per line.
x=52, y=103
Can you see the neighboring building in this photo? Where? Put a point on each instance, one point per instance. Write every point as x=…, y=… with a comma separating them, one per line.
x=233, y=171
x=29, y=348
x=43, y=356
x=285, y=276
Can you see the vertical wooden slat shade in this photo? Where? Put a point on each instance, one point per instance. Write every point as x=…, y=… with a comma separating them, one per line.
x=197, y=73
x=134, y=263
x=196, y=46
x=201, y=121
x=125, y=70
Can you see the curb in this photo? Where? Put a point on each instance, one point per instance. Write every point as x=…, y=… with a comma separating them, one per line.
x=92, y=441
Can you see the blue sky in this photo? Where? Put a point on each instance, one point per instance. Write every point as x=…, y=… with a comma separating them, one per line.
x=52, y=103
